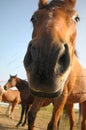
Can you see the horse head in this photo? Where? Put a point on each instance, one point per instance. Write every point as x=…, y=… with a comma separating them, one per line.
x=50, y=53
x=12, y=81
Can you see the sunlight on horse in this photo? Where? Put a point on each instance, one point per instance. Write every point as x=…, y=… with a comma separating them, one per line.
x=51, y=63
x=10, y=96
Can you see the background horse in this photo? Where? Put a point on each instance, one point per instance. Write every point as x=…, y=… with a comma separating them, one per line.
x=26, y=98
x=51, y=63
x=10, y=96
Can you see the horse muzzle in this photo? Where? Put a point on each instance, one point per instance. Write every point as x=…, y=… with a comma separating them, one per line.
x=47, y=68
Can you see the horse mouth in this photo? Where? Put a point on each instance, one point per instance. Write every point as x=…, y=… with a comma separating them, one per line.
x=46, y=95
x=54, y=92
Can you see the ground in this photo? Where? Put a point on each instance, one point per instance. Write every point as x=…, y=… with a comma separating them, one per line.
x=42, y=120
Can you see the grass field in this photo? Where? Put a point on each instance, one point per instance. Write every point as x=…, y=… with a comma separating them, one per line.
x=41, y=122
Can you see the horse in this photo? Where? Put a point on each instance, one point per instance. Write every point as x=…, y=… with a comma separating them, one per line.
x=51, y=63
x=10, y=96
x=26, y=98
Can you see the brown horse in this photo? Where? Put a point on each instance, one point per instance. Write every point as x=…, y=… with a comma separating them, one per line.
x=11, y=96
x=26, y=98
x=51, y=63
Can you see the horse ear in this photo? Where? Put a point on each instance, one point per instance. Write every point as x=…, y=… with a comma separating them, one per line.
x=16, y=75
x=42, y=3
x=72, y=2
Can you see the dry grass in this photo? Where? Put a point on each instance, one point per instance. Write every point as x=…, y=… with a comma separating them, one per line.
x=42, y=120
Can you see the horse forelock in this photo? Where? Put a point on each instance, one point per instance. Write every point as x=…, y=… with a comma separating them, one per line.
x=57, y=4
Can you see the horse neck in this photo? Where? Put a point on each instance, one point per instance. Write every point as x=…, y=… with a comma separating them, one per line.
x=21, y=84
x=76, y=66
x=76, y=71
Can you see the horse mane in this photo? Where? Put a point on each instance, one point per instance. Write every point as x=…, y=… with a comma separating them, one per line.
x=22, y=84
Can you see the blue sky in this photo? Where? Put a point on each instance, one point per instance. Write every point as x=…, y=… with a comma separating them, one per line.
x=15, y=33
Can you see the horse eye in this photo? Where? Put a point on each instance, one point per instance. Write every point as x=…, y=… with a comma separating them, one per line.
x=34, y=19
x=76, y=18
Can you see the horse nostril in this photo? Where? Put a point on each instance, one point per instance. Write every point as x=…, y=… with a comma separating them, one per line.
x=64, y=60
x=62, y=57
x=31, y=54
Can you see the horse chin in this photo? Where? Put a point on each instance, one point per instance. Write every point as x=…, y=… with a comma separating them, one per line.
x=46, y=95
x=53, y=91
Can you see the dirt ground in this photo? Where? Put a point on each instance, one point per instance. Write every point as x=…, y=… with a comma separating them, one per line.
x=41, y=122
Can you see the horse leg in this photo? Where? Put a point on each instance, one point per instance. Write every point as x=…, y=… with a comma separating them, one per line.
x=38, y=102
x=12, y=109
x=22, y=113
x=70, y=111
x=27, y=107
x=58, y=107
x=80, y=113
x=58, y=125
x=8, y=111
x=83, y=126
